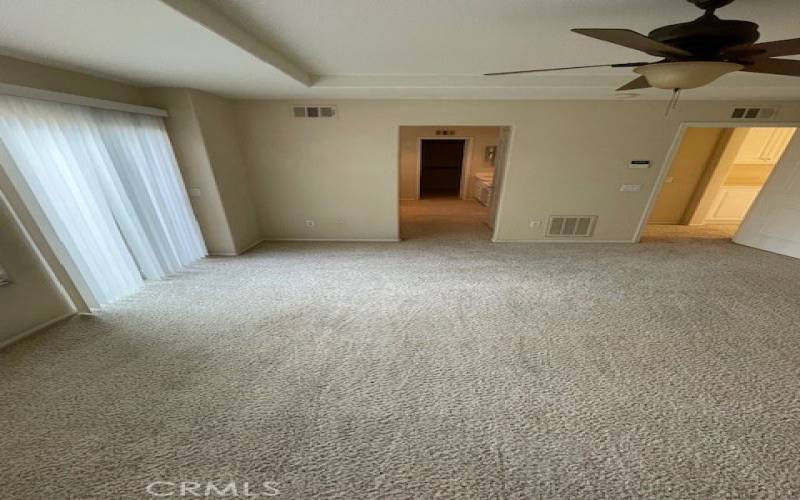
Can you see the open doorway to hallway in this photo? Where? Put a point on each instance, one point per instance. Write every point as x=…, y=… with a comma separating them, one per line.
x=449, y=179
x=715, y=177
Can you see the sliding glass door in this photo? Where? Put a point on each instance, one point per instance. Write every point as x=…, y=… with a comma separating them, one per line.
x=108, y=187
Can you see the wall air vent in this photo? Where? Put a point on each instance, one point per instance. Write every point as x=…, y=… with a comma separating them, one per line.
x=445, y=132
x=314, y=111
x=569, y=226
x=754, y=113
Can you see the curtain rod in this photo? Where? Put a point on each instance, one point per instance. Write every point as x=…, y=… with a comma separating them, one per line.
x=49, y=95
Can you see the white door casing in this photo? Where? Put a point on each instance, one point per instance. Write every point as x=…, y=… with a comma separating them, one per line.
x=500, y=160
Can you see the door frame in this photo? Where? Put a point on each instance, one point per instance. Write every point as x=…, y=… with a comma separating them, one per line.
x=658, y=185
x=465, y=162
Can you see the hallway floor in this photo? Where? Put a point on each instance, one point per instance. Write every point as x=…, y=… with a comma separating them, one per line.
x=678, y=233
x=444, y=218
x=443, y=366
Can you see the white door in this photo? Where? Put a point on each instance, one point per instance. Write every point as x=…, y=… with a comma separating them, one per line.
x=500, y=160
x=773, y=224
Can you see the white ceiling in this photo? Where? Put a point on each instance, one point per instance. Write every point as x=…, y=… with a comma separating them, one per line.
x=368, y=48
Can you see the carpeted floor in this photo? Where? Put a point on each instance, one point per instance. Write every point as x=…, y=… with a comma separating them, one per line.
x=438, y=367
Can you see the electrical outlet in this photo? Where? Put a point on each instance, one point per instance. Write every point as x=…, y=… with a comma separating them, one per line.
x=310, y=223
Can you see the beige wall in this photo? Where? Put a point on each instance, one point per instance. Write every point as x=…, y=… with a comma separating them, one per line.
x=696, y=151
x=18, y=72
x=566, y=157
x=480, y=138
x=202, y=132
x=33, y=299
x=221, y=138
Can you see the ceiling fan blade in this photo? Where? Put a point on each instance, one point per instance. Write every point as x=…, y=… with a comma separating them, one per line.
x=787, y=67
x=634, y=40
x=639, y=83
x=622, y=65
x=780, y=48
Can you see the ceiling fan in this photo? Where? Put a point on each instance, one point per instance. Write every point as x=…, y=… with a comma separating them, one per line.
x=695, y=53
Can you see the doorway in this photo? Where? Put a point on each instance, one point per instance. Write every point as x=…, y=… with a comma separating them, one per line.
x=449, y=180
x=441, y=168
x=715, y=177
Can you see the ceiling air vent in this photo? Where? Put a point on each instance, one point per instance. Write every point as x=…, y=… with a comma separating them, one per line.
x=571, y=225
x=314, y=111
x=753, y=113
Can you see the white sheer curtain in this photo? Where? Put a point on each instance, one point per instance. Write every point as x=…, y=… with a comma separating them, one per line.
x=109, y=186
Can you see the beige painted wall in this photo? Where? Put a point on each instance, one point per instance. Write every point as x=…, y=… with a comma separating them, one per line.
x=34, y=299
x=566, y=157
x=221, y=138
x=480, y=138
x=18, y=72
x=696, y=151
x=203, y=134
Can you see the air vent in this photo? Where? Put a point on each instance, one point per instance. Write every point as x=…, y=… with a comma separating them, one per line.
x=571, y=225
x=314, y=111
x=754, y=113
x=445, y=132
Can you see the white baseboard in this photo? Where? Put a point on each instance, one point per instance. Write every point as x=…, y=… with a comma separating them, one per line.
x=344, y=240
x=31, y=331
x=251, y=246
x=240, y=252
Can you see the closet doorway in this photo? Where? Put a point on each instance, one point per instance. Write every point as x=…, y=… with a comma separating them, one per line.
x=441, y=168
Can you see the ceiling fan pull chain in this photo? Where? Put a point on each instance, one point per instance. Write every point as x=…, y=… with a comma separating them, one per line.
x=673, y=102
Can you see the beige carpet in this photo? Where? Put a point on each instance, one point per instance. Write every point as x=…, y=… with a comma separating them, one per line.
x=438, y=367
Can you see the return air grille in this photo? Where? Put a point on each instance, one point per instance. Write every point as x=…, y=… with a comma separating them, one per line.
x=561, y=226
x=753, y=113
x=314, y=111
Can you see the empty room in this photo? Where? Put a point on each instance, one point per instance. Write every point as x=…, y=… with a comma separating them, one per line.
x=396, y=249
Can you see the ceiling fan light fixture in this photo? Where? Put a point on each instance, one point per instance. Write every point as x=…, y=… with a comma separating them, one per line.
x=687, y=74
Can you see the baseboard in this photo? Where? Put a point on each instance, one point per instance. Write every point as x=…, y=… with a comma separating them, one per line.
x=251, y=246
x=344, y=240
x=240, y=252
x=37, y=328
x=562, y=241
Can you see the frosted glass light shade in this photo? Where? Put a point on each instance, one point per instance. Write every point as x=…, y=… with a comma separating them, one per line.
x=685, y=75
